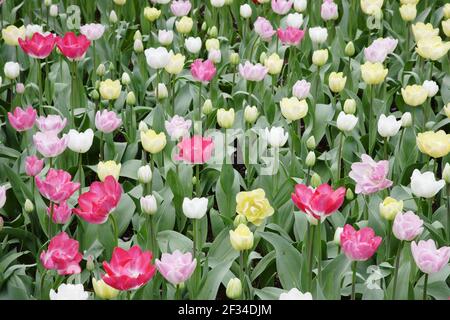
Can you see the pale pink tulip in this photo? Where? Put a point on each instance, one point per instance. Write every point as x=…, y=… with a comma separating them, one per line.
x=176, y=267
x=370, y=176
x=49, y=145
x=428, y=258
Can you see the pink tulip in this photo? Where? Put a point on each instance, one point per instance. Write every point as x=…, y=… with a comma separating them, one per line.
x=180, y=8
x=428, y=258
x=203, y=71
x=407, y=226
x=93, y=31
x=51, y=123
x=282, y=6
x=290, y=36
x=22, y=120
x=359, y=245
x=57, y=185
x=329, y=10
x=107, y=121
x=370, y=176
x=177, y=127
x=301, y=89
x=380, y=49
x=49, y=145
x=33, y=166
x=62, y=255
x=195, y=150
x=252, y=72
x=176, y=267
x=264, y=29
x=61, y=214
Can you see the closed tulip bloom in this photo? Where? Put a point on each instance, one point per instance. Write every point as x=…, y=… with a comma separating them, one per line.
x=73, y=47
x=177, y=127
x=349, y=49
x=11, y=70
x=346, y=122
x=241, y=238
x=447, y=11
x=153, y=142
x=407, y=226
x=129, y=269
x=318, y=203
x=93, y=31
x=293, y=109
x=176, y=63
x=69, y=292
x=33, y=166
x=370, y=176
x=193, y=45
x=301, y=89
x=184, y=25
x=251, y=114
x=295, y=294
x=390, y=207
x=180, y=8
x=151, y=14
x=107, y=121
x=264, y=28
x=57, y=186
x=2, y=198
x=276, y=136
x=446, y=27
x=62, y=255
x=108, y=168
x=422, y=31
x=373, y=73
x=104, y=291
x=318, y=35
x=320, y=57
x=195, y=150
x=274, y=64
x=22, y=120
x=11, y=35
x=225, y=118
x=165, y=37
x=281, y=7
x=215, y=56
x=60, y=214
x=176, y=267
x=80, y=142
x=388, y=126
x=203, y=71
x=110, y=90
x=336, y=82
x=408, y=12
x=212, y=44
x=254, y=206
x=52, y=123
x=120, y=2
x=429, y=259
x=371, y=7
x=434, y=144
x=149, y=204
x=217, y=3
x=234, y=289
x=145, y=174
x=290, y=36
x=329, y=10
x=138, y=46
x=245, y=11
x=425, y=185
x=252, y=72
x=380, y=49
x=359, y=245
x=195, y=208
x=414, y=95
x=432, y=48
x=49, y=145
x=53, y=10
x=39, y=46
x=294, y=20
x=431, y=87
x=157, y=58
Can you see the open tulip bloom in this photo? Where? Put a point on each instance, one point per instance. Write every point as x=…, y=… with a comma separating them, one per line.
x=258, y=149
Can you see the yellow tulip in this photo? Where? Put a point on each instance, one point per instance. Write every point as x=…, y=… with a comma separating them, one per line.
x=320, y=57
x=254, y=206
x=447, y=11
x=241, y=238
x=422, y=31
x=151, y=14
x=225, y=118
x=153, y=142
x=414, y=2
x=446, y=27
x=274, y=63
x=176, y=63
x=212, y=44
x=371, y=7
x=108, y=168
x=293, y=109
x=336, y=82
x=414, y=95
x=408, y=12
x=11, y=35
x=184, y=25
x=434, y=144
x=390, y=207
x=432, y=48
x=373, y=73
x=104, y=291
x=110, y=90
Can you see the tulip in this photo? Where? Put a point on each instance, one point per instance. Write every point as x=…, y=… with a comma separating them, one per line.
x=57, y=186
x=318, y=35
x=359, y=245
x=165, y=37
x=138, y=46
x=329, y=10
x=234, y=58
x=310, y=160
x=128, y=269
x=254, y=206
x=11, y=35
x=234, y=289
x=311, y=143
x=212, y=44
x=62, y=255
x=425, y=185
x=264, y=28
x=432, y=48
x=390, y=207
x=293, y=109
x=241, y=238
x=337, y=235
x=22, y=120
x=290, y=36
x=408, y=12
x=51, y=124
x=380, y=49
x=203, y=71
x=180, y=8
x=195, y=208
x=104, y=291
x=295, y=294
x=251, y=114
x=447, y=11
x=73, y=47
x=281, y=7
x=225, y=118
x=320, y=57
x=276, y=137
x=49, y=145
x=300, y=5
x=108, y=168
x=406, y=120
x=217, y=3
x=346, y=122
x=177, y=127
x=107, y=121
x=39, y=46
x=80, y=142
x=274, y=64
x=370, y=176
x=145, y=174
x=69, y=292
x=184, y=25
x=428, y=258
x=294, y=20
x=2, y=196
x=388, y=126
x=434, y=144
x=120, y=2
x=414, y=95
x=350, y=106
x=153, y=142
x=110, y=90
x=193, y=45
x=60, y=214
x=53, y=11
x=373, y=73
x=176, y=64
x=349, y=49
x=161, y=91
x=33, y=166
x=446, y=174
x=151, y=14
x=423, y=31
x=431, y=87
x=215, y=56
x=446, y=27
x=336, y=82
x=93, y=31
x=245, y=11
x=301, y=89
x=176, y=267
x=253, y=72
x=157, y=58
x=11, y=70
x=371, y=7
x=407, y=226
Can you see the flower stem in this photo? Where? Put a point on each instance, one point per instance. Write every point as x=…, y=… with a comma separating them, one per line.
x=353, y=280
x=80, y=170
x=115, y=229
x=341, y=147
x=397, y=265
x=311, y=230
x=242, y=273
x=425, y=284
x=319, y=253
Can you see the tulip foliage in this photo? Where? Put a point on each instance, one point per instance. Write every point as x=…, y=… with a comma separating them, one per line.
x=224, y=149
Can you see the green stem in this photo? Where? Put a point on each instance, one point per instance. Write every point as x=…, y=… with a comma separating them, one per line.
x=341, y=147
x=102, y=148
x=425, y=285
x=115, y=229
x=198, y=117
x=80, y=170
x=242, y=273
x=39, y=75
x=311, y=230
x=319, y=252
x=197, y=182
x=153, y=237
x=353, y=280
x=72, y=94
x=397, y=265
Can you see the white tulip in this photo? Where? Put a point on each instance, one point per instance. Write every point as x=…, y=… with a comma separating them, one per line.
x=406, y=120
x=12, y=70
x=295, y=294
x=218, y=3
x=145, y=174
x=425, y=184
x=138, y=46
x=2, y=196
x=346, y=122
x=193, y=45
x=276, y=136
x=300, y=5
x=195, y=208
x=215, y=56
x=337, y=235
x=157, y=58
x=431, y=87
x=294, y=20
x=80, y=142
x=318, y=35
x=149, y=205
x=388, y=126
x=245, y=11
x=53, y=11
x=31, y=29
x=165, y=37
x=69, y=292
x=163, y=1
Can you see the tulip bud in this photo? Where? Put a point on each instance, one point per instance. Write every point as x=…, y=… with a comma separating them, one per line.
x=53, y=11
x=163, y=93
x=113, y=17
x=320, y=57
x=151, y=14
x=29, y=207
x=310, y=159
x=350, y=106
x=251, y=114
x=225, y=118
x=337, y=235
x=241, y=238
x=446, y=173
x=138, y=46
x=1, y=223
x=48, y=3
x=262, y=57
x=408, y=12
x=240, y=219
x=104, y=291
x=90, y=265
x=349, y=195
x=126, y=79
x=149, y=205
x=204, y=26
x=11, y=70
x=315, y=180
x=350, y=49
x=194, y=180
x=131, y=98
x=207, y=107
x=390, y=207
x=406, y=120
x=234, y=289
x=311, y=143
x=145, y=174
x=213, y=32
x=234, y=58
x=94, y=95
x=101, y=70
x=143, y=126
x=20, y=88
x=137, y=35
